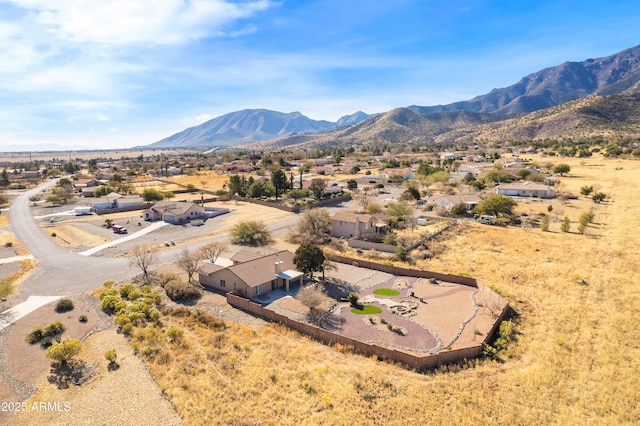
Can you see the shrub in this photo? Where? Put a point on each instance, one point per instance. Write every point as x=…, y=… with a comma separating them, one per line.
x=111, y=355
x=108, y=283
x=8, y=244
x=174, y=334
x=125, y=290
x=544, y=223
x=64, y=351
x=64, y=305
x=47, y=333
x=83, y=318
x=565, y=226
x=109, y=304
x=35, y=336
x=178, y=290
x=353, y=299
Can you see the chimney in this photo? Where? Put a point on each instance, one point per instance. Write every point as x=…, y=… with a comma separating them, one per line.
x=277, y=267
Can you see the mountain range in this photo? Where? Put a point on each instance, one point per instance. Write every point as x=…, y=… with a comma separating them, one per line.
x=497, y=114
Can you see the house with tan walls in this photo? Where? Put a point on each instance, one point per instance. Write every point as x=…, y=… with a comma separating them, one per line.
x=349, y=225
x=251, y=274
x=174, y=212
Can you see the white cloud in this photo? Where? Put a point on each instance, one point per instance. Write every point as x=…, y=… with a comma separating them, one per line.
x=125, y=22
x=198, y=119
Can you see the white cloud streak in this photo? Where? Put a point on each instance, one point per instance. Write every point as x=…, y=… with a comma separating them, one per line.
x=127, y=22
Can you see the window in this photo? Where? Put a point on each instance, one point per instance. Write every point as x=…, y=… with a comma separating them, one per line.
x=222, y=283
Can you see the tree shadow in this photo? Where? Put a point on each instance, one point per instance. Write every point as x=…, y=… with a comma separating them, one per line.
x=63, y=374
x=113, y=366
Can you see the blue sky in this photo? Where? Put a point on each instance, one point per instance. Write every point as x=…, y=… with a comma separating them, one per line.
x=120, y=73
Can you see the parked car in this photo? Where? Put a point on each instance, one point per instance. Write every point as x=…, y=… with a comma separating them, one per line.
x=119, y=229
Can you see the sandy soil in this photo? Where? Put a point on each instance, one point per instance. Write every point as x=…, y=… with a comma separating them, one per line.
x=114, y=396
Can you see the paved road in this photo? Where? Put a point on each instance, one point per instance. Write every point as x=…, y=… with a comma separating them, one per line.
x=58, y=272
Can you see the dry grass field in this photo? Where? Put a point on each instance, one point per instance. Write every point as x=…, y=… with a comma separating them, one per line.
x=574, y=358
x=573, y=361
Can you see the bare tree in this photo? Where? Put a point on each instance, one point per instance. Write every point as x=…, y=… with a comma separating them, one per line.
x=363, y=197
x=35, y=198
x=144, y=257
x=314, y=226
x=188, y=262
x=211, y=251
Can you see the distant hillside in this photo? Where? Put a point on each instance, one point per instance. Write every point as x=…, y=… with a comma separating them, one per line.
x=615, y=74
x=250, y=125
x=596, y=115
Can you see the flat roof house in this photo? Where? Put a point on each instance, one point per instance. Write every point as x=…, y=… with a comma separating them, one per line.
x=526, y=189
x=249, y=274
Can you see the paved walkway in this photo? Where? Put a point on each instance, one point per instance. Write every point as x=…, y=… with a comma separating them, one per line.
x=12, y=315
x=148, y=229
x=16, y=259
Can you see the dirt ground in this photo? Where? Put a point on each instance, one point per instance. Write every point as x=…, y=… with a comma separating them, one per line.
x=113, y=396
x=78, y=233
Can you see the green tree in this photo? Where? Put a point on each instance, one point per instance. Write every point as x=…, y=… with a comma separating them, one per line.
x=352, y=184
x=317, y=187
x=496, y=205
x=402, y=254
x=598, y=197
x=4, y=178
x=544, y=223
x=152, y=195
x=250, y=232
x=586, y=190
x=561, y=169
x=111, y=355
x=523, y=173
x=565, y=226
x=398, y=212
x=64, y=351
x=237, y=185
x=498, y=176
x=309, y=258
x=101, y=191
x=279, y=181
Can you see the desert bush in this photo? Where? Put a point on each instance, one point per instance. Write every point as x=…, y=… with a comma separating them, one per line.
x=35, y=336
x=64, y=351
x=8, y=244
x=111, y=355
x=109, y=304
x=125, y=290
x=178, y=290
x=83, y=318
x=353, y=299
x=174, y=334
x=64, y=305
x=108, y=283
x=544, y=223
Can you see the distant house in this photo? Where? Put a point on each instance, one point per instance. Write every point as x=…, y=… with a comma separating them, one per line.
x=27, y=174
x=81, y=184
x=526, y=189
x=449, y=156
x=470, y=201
x=117, y=201
x=350, y=225
x=126, y=201
x=174, y=212
x=250, y=274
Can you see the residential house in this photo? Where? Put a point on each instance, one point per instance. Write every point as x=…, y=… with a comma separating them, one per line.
x=349, y=225
x=449, y=156
x=251, y=274
x=82, y=184
x=470, y=201
x=526, y=189
x=114, y=200
x=174, y=212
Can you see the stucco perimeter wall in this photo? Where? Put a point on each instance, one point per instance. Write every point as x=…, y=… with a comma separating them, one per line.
x=397, y=270
x=418, y=362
